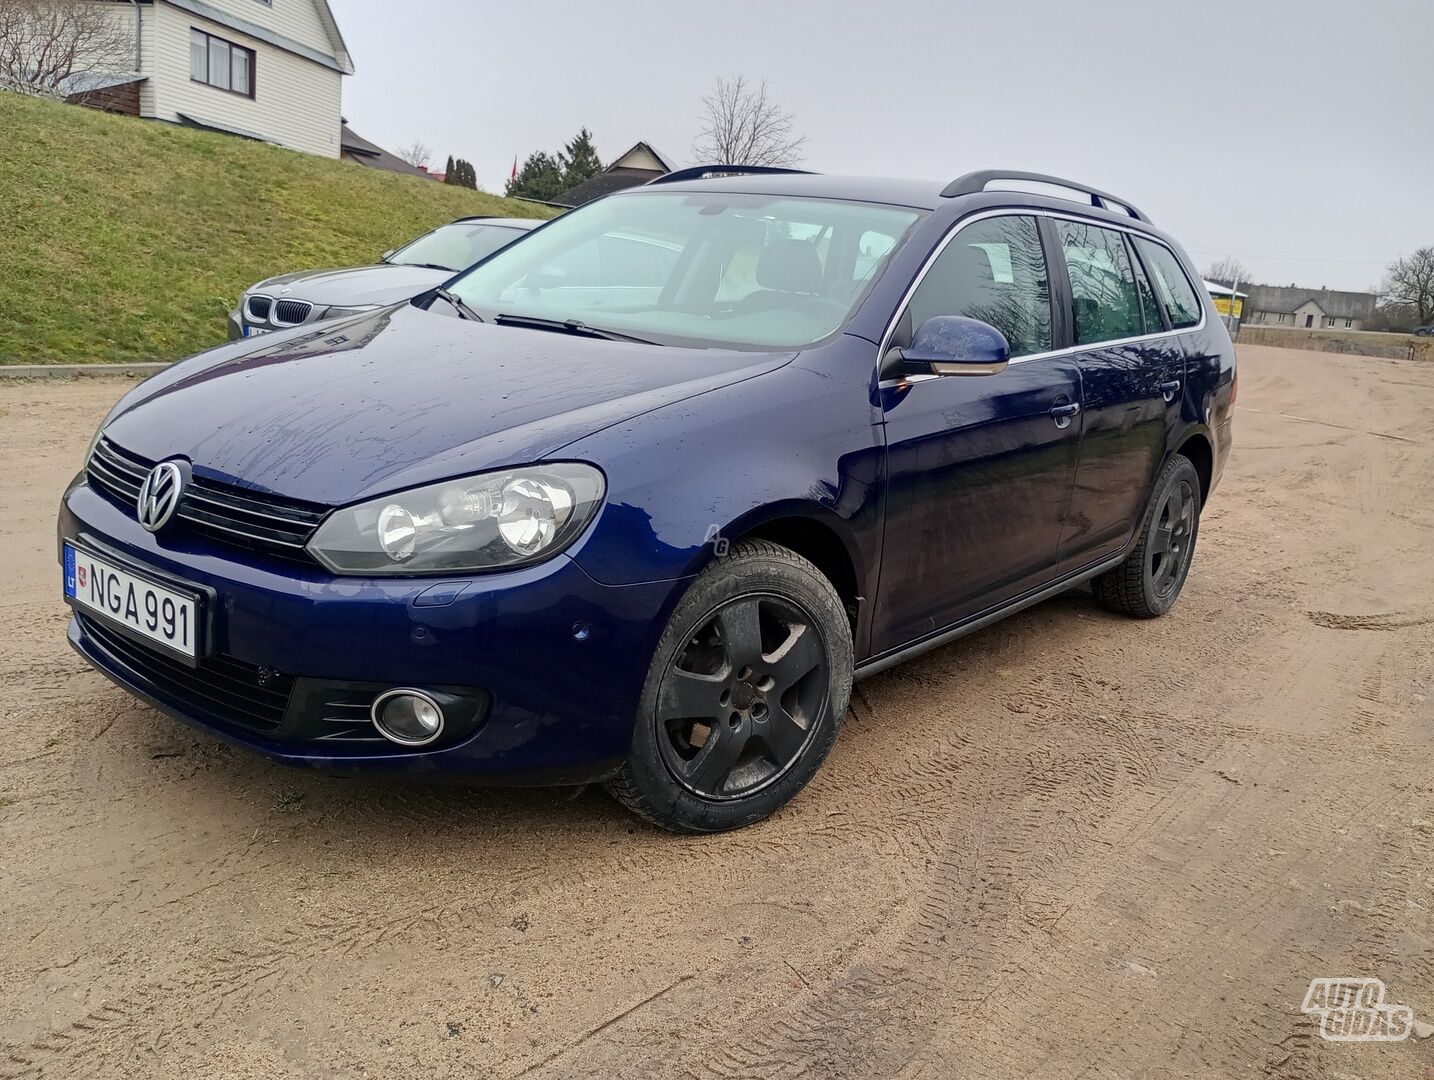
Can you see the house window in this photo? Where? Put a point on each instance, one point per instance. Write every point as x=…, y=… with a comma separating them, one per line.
x=221, y=63
x=1282, y=316
x=1349, y=324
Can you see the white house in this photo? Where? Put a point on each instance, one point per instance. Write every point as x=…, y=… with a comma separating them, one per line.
x=265, y=69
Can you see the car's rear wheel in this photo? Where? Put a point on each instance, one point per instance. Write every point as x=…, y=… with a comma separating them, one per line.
x=1149, y=581
x=744, y=695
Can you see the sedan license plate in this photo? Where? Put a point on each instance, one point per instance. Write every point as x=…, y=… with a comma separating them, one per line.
x=134, y=601
x=254, y=331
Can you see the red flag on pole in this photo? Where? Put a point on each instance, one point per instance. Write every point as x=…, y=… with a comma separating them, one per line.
x=514, y=174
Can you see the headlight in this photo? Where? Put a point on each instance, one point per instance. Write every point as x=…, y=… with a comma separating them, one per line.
x=487, y=522
x=95, y=438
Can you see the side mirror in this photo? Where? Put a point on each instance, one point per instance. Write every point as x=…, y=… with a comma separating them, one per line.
x=956, y=345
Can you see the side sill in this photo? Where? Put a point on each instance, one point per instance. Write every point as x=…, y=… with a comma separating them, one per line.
x=906, y=652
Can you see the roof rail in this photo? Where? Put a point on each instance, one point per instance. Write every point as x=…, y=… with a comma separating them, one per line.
x=710, y=172
x=975, y=182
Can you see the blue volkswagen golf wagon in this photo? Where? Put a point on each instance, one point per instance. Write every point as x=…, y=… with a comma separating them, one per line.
x=635, y=499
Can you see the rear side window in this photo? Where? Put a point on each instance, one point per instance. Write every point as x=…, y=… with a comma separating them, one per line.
x=995, y=271
x=1104, y=297
x=1148, y=303
x=1176, y=293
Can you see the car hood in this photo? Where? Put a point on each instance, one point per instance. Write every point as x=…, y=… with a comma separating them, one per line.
x=386, y=283
x=361, y=406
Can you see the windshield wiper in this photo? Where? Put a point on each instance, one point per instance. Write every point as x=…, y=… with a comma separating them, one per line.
x=430, y=266
x=464, y=311
x=570, y=326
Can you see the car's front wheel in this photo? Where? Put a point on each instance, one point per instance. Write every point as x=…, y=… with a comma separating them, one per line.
x=744, y=695
x=1149, y=581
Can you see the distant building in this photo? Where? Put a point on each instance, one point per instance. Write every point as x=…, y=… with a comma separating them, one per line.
x=1229, y=303
x=354, y=147
x=640, y=165
x=263, y=70
x=1308, y=309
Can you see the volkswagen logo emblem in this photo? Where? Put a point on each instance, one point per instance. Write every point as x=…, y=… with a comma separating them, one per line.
x=160, y=493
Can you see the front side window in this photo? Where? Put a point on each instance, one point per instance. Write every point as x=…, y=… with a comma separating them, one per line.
x=221, y=63
x=1181, y=302
x=1104, y=298
x=993, y=270
x=695, y=268
x=455, y=247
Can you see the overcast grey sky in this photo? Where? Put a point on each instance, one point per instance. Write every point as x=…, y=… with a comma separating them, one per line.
x=1297, y=135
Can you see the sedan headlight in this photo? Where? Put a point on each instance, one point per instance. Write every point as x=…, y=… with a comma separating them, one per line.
x=491, y=521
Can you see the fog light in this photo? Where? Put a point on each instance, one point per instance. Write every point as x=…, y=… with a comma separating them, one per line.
x=407, y=717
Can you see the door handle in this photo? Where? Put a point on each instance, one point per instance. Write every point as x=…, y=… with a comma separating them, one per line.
x=1063, y=414
x=1170, y=389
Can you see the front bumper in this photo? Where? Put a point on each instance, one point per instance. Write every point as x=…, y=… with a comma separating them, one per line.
x=553, y=660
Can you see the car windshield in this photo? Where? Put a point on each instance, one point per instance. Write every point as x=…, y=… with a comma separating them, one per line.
x=707, y=269
x=455, y=247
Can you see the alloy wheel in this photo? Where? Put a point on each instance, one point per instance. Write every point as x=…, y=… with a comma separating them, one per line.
x=1171, y=543
x=740, y=701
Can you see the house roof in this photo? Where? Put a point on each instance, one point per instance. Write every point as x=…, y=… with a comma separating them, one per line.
x=331, y=27
x=667, y=163
x=604, y=183
x=354, y=146
x=339, y=60
x=1214, y=288
x=1290, y=298
x=186, y=120
x=87, y=82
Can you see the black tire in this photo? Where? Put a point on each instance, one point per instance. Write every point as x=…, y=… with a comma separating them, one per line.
x=1147, y=584
x=775, y=734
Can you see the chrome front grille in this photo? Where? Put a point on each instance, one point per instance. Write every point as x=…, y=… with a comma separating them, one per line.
x=224, y=512
x=291, y=312
x=256, y=309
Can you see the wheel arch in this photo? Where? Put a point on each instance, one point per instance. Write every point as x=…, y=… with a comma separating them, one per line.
x=1200, y=451
x=818, y=535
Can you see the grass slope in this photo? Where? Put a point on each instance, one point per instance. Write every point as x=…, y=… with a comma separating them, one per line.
x=125, y=239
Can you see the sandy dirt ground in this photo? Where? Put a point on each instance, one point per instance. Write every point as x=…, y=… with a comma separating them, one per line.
x=1072, y=845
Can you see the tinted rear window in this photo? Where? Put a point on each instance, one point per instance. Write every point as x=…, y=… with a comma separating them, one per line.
x=1181, y=301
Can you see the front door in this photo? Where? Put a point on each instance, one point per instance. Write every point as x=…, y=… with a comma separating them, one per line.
x=1309, y=321
x=979, y=467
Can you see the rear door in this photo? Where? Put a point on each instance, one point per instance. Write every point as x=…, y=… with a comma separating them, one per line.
x=1131, y=371
x=979, y=467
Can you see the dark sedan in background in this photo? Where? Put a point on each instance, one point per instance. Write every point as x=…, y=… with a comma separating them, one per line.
x=309, y=296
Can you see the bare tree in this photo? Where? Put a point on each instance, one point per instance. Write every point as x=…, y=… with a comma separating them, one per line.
x=1227, y=271
x=45, y=45
x=1410, y=283
x=415, y=153
x=743, y=126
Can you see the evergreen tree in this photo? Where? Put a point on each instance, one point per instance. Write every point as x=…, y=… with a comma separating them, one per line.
x=579, y=160
x=541, y=177
x=461, y=173
x=448, y=172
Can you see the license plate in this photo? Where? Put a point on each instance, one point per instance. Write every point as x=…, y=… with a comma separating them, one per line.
x=254, y=331
x=132, y=600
